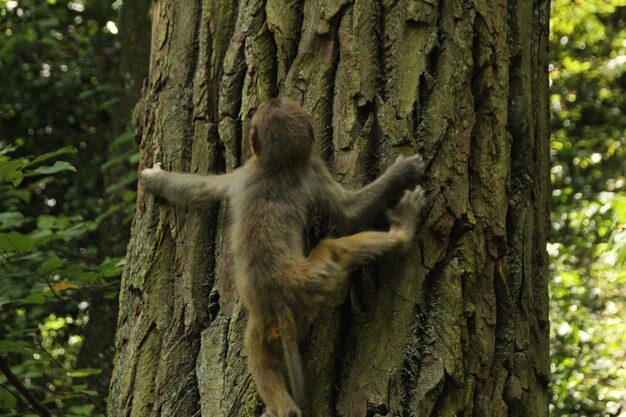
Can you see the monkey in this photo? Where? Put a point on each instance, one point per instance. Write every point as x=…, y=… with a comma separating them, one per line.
x=271, y=200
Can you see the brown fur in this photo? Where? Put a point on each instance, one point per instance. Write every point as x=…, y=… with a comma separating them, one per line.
x=271, y=198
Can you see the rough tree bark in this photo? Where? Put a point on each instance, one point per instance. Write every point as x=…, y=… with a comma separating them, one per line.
x=457, y=327
x=98, y=348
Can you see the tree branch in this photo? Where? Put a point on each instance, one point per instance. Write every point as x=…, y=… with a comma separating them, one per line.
x=24, y=392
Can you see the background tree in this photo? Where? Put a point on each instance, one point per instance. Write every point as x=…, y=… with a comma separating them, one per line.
x=460, y=325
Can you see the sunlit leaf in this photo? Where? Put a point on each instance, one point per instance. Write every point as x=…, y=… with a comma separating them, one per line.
x=62, y=286
x=55, y=323
x=81, y=373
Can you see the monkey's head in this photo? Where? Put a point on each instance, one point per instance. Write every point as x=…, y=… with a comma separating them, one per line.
x=281, y=134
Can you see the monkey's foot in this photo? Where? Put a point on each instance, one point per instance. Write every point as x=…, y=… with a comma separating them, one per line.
x=404, y=216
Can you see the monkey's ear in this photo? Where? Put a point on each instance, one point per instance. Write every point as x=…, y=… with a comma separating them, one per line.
x=254, y=141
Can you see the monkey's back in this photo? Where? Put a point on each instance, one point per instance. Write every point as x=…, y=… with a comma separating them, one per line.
x=269, y=211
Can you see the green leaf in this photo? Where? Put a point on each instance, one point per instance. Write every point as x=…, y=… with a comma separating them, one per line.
x=7, y=400
x=79, y=388
x=109, y=103
x=49, y=22
x=57, y=167
x=83, y=389
x=128, y=179
x=76, y=230
x=23, y=195
x=111, y=210
x=55, y=323
x=36, y=298
x=11, y=170
x=14, y=346
x=111, y=267
x=16, y=242
x=82, y=373
x=65, y=150
x=123, y=157
x=129, y=196
x=52, y=263
x=9, y=43
x=10, y=219
x=48, y=222
x=82, y=410
x=125, y=137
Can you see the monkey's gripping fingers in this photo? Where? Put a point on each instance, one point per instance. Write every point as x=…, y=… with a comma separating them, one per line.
x=148, y=177
x=150, y=171
x=403, y=218
x=407, y=170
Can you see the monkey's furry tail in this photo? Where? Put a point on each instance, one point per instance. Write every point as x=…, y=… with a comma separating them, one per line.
x=289, y=335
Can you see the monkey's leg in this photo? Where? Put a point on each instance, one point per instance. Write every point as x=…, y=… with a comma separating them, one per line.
x=327, y=267
x=349, y=252
x=265, y=360
x=328, y=264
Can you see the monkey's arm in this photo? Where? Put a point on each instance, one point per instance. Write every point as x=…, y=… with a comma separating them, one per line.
x=355, y=209
x=186, y=189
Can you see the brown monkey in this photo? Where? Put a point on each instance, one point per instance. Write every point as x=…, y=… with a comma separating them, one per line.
x=271, y=198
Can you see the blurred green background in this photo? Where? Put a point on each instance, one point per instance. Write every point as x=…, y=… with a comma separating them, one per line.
x=588, y=286
x=62, y=234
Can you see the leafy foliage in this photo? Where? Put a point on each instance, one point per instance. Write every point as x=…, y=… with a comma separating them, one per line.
x=43, y=287
x=588, y=300
x=58, y=62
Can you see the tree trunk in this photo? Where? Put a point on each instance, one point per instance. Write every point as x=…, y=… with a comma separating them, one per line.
x=98, y=348
x=459, y=324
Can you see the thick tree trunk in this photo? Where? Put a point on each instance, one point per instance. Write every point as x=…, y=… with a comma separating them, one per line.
x=457, y=326
x=98, y=348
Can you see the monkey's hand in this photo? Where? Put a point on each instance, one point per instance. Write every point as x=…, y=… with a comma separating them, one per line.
x=149, y=177
x=403, y=218
x=410, y=168
x=151, y=171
